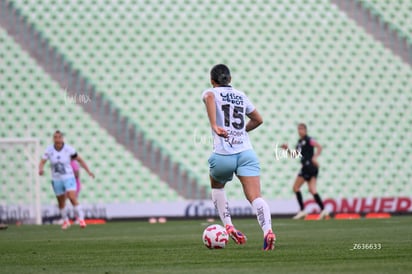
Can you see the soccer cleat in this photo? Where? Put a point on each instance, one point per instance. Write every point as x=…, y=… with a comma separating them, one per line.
x=236, y=235
x=65, y=225
x=301, y=214
x=269, y=241
x=82, y=223
x=323, y=215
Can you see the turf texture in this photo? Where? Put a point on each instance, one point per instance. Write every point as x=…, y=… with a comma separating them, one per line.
x=176, y=247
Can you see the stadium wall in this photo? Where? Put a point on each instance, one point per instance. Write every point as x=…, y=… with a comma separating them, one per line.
x=206, y=209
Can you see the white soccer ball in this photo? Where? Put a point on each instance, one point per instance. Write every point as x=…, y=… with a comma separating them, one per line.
x=215, y=236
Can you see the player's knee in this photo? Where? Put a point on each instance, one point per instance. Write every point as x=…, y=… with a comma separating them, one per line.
x=251, y=198
x=216, y=184
x=74, y=202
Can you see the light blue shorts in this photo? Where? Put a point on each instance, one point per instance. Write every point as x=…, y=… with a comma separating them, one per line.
x=222, y=167
x=62, y=186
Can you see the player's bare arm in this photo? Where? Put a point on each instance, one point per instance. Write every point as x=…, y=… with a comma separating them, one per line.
x=255, y=120
x=84, y=165
x=209, y=100
x=41, y=166
x=317, y=153
x=76, y=173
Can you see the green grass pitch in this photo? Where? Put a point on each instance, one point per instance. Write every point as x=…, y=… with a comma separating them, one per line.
x=176, y=247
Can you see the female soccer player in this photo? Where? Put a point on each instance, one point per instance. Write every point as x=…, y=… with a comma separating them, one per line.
x=64, y=184
x=227, y=109
x=309, y=171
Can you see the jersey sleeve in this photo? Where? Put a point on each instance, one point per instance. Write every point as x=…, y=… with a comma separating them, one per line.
x=205, y=92
x=72, y=152
x=46, y=154
x=249, y=107
x=312, y=142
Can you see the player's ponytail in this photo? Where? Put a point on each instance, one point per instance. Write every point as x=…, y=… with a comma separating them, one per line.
x=220, y=74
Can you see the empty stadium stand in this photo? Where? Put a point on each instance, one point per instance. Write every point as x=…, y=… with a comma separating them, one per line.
x=32, y=105
x=395, y=13
x=299, y=61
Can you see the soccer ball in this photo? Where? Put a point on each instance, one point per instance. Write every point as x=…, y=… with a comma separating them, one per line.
x=215, y=236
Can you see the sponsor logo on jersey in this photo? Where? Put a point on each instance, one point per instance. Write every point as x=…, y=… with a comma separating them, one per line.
x=232, y=98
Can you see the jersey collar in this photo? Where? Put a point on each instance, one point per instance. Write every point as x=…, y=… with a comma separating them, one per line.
x=58, y=149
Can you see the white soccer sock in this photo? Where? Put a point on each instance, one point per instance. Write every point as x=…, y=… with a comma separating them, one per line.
x=63, y=213
x=79, y=212
x=263, y=214
x=221, y=204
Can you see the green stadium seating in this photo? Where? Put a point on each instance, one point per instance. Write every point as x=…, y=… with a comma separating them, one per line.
x=397, y=14
x=300, y=61
x=33, y=105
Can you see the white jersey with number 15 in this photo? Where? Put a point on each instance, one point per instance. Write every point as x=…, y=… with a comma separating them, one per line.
x=231, y=109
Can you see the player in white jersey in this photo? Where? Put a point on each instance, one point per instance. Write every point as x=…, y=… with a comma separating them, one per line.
x=63, y=181
x=227, y=109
